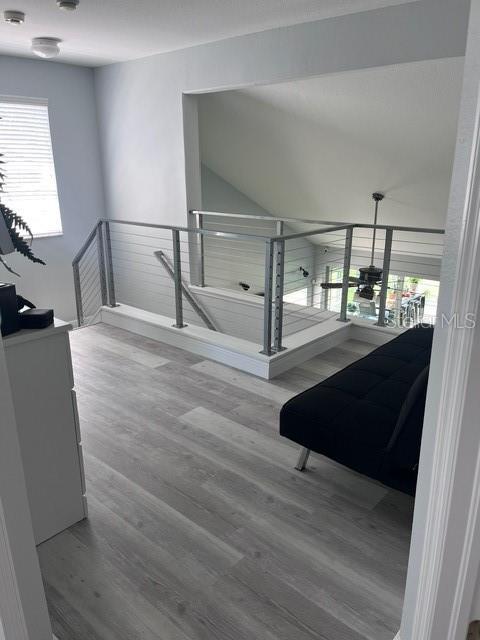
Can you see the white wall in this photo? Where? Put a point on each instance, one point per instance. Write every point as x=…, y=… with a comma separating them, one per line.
x=402, y=265
x=140, y=102
x=73, y=122
x=317, y=148
x=149, y=126
x=228, y=262
x=220, y=195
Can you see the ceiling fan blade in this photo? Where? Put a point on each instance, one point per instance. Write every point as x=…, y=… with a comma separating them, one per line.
x=336, y=285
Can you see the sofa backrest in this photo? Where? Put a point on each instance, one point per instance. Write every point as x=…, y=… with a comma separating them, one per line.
x=404, y=446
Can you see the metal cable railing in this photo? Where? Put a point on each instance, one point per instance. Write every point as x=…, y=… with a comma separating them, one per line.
x=409, y=257
x=256, y=277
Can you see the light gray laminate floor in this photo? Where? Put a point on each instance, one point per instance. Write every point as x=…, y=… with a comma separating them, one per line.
x=199, y=526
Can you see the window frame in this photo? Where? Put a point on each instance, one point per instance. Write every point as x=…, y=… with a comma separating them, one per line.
x=42, y=102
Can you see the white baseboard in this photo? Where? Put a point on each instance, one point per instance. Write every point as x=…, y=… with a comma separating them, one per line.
x=234, y=352
x=243, y=354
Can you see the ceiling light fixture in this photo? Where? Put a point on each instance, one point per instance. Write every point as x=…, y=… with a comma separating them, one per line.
x=46, y=47
x=68, y=5
x=14, y=17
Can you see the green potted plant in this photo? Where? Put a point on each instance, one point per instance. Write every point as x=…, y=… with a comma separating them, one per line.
x=414, y=284
x=15, y=235
x=17, y=229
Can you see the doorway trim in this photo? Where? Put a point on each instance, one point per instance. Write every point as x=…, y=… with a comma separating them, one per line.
x=445, y=550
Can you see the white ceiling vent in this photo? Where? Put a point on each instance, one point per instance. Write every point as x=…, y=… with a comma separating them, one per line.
x=68, y=5
x=46, y=47
x=14, y=17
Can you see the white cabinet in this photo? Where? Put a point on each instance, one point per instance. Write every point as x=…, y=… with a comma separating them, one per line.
x=40, y=370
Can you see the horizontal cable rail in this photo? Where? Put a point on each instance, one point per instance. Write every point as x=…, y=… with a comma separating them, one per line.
x=254, y=216
x=256, y=277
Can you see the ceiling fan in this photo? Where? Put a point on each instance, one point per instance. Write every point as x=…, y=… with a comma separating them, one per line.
x=369, y=276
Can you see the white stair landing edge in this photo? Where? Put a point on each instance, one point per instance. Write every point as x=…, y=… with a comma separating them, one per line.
x=367, y=331
x=310, y=342
x=234, y=352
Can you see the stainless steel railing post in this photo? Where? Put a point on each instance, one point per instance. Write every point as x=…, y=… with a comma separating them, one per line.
x=267, y=299
x=112, y=302
x=196, y=248
x=201, y=248
x=78, y=293
x=325, y=295
x=177, y=268
x=279, y=285
x=387, y=253
x=101, y=263
x=346, y=274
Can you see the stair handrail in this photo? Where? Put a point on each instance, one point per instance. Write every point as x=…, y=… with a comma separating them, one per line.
x=164, y=260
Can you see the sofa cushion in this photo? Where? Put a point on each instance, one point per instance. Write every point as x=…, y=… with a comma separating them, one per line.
x=352, y=415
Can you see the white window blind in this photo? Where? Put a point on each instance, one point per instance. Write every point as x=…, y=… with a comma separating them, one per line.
x=30, y=188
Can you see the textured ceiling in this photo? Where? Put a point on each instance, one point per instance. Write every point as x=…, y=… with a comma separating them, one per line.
x=104, y=31
x=318, y=148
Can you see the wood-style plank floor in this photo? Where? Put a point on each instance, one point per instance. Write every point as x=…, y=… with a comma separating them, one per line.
x=199, y=527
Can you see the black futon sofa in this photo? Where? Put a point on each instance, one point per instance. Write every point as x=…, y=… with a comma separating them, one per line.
x=369, y=416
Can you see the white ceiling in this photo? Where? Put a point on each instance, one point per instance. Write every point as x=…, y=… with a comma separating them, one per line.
x=317, y=148
x=105, y=31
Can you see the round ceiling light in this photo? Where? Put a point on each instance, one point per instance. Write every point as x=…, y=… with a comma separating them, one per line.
x=68, y=5
x=46, y=47
x=14, y=17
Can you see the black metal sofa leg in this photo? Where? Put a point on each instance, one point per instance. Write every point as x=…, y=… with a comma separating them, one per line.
x=302, y=460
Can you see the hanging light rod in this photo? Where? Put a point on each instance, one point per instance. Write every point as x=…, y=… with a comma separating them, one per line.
x=378, y=197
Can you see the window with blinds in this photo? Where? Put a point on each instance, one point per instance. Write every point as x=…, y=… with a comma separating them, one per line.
x=30, y=188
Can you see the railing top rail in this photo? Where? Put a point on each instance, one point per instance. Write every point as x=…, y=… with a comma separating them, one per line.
x=392, y=227
x=203, y=232
x=232, y=235
x=151, y=225
x=329, y=227
x=86, y=244
x=312, y=232
x=255, y=216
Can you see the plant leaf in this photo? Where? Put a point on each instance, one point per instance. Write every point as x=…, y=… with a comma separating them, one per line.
x=15, y=223
x=9, y=268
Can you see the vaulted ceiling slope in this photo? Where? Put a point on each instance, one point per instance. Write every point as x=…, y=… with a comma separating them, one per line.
x=104, y=31
x=317, y=148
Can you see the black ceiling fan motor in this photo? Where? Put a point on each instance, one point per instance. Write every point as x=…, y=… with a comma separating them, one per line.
x=368, y=278
x=370, y=275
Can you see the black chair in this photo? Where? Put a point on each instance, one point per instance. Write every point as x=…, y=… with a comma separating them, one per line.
x=369, y=416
